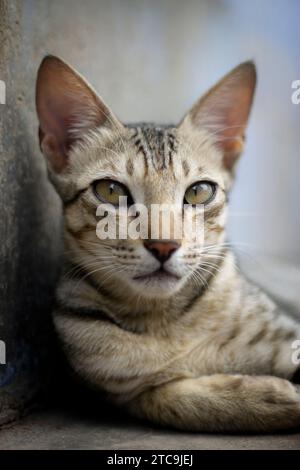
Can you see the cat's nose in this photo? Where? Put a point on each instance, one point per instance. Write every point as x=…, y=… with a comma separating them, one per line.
x=161, y=250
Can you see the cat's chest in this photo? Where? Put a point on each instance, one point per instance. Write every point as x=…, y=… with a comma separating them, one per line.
x=215, y=343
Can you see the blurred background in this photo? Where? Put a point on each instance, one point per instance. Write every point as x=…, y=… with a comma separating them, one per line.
x=149, y=60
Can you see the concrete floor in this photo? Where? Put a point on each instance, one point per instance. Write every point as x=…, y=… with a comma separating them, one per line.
x=108, y=429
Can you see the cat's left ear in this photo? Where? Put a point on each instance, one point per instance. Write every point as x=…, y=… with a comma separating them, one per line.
x=224, y=111
x=68, y=108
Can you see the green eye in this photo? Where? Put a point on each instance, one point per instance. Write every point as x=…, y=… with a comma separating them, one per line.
x=200, y=193
x=110, y=191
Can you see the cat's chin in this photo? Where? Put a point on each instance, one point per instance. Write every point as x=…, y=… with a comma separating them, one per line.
x=159, y=283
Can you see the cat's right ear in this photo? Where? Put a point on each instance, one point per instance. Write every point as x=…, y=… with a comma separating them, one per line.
x=67, y=109
x=224, y=111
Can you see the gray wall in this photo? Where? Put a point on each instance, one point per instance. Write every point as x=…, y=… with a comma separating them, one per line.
x=29, y=229
x=150, y=60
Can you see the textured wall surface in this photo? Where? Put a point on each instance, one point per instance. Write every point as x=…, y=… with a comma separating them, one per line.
x=29, y=229
x=150, y=60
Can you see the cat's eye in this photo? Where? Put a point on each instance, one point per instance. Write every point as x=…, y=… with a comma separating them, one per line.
x=200, y=193
x=109, y=191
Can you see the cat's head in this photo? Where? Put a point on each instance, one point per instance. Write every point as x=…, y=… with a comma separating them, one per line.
x=93, y=159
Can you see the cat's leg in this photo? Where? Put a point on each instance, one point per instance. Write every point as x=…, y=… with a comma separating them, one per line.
x=262, y=343
x=221, y=403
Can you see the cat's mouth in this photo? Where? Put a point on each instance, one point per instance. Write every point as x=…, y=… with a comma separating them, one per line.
x=160, y=274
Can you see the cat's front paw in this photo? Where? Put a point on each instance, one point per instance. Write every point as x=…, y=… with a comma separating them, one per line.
x=275, y=400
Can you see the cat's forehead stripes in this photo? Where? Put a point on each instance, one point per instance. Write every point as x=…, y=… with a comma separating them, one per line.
x=157, y=144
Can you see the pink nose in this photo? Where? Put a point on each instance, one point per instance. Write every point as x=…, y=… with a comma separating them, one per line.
x=161, y=250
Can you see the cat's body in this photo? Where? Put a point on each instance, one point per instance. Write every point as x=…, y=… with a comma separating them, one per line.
x=196, y=347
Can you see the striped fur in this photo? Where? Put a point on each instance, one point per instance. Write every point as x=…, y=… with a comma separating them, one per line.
x=206, y=352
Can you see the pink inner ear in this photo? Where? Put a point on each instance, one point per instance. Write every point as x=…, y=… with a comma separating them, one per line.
x=231, y=136
x=52, y=149
x=67, y=108
x=225, y=109
x=54, y=139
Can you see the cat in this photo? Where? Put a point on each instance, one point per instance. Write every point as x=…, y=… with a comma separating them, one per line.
x=169, y=330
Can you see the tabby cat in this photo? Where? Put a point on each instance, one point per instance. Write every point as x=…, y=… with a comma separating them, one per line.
x=169, y=330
